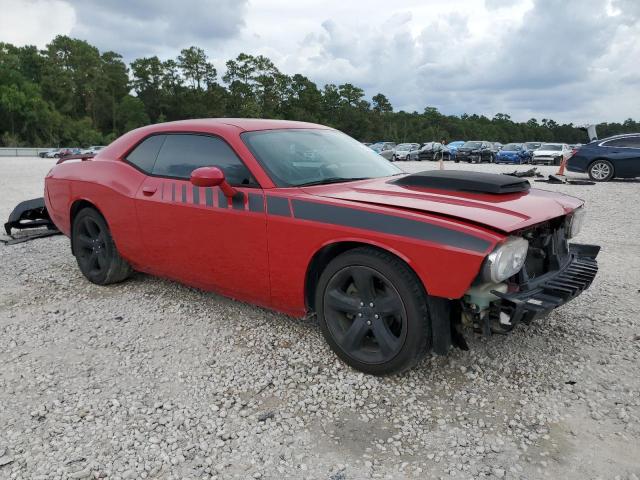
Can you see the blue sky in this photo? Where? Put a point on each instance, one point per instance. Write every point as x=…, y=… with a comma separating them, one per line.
x=570, y=60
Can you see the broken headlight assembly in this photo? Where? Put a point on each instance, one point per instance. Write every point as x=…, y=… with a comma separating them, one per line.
x=575, y=221
x=506, y=260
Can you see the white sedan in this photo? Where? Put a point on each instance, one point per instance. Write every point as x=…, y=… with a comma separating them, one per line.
x=551, y=154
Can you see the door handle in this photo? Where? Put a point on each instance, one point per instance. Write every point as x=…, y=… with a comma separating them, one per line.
x=148, y=191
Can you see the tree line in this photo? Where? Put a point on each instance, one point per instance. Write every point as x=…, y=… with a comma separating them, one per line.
x=71, y=94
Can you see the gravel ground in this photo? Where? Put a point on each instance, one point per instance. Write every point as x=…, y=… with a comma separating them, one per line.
x=151, y=379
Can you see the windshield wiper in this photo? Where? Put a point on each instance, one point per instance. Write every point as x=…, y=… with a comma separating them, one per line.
x=327, y=181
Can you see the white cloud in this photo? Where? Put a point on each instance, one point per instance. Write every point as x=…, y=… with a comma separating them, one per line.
x=34, y=22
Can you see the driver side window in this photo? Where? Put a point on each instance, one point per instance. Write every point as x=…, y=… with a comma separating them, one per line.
x=183, y=153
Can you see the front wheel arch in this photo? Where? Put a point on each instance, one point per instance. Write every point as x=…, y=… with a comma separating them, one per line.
x=324, y=255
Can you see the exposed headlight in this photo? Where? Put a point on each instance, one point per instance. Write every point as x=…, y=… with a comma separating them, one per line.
x=506, y=260
x=575, y=222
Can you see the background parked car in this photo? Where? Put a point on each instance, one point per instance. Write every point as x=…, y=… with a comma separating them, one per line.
x=513, y=153
x=388, y=150
x=432, y=151
x=47, y=152
x=63, y=152
x=613, y=157
x=92, y=149
x=453, y=147
x=532, y=146
x=476, y=151
x=382, y=146
x=551, y=154
x=403, y=150
x=497, y=146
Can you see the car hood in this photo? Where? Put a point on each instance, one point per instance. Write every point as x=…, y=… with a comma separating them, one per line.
x=508, y=152
x=547, y=152
x=502, y=212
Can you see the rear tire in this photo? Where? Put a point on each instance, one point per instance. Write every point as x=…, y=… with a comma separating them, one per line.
x=95, y=250
x=601, y=171
x=372, y=311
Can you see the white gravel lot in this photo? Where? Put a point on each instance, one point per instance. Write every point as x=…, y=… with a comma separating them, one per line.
x=151, y=379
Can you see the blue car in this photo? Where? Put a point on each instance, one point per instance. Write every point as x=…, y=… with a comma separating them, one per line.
x=613, y=157
x=514, y=153
x=453, y=147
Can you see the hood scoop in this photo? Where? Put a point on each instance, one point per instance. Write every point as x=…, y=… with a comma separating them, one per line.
x=464, y=181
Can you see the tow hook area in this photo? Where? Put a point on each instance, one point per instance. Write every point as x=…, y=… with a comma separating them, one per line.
x=481, y=309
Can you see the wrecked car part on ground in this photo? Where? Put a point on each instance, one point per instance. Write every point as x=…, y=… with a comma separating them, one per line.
x=32, y=217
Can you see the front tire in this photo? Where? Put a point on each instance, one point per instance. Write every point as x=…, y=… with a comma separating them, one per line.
x=95, y=250
x=372, y=311
x=601, y=171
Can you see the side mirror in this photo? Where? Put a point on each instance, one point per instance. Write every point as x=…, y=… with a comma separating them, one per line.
x=212, y=177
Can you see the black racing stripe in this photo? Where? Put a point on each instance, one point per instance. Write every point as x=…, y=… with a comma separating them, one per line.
x=208, y=195
x=196, y=195
x=390, y=224
x=173, y=192
x=278, y=206
x=222, y=200
x=184, y=194
x=237, y=201
x=256, y=202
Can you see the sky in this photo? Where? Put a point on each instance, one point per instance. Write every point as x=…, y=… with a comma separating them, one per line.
x=570, y=60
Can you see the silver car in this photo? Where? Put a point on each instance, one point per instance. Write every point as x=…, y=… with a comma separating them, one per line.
x=387, y=150
x=403, y=151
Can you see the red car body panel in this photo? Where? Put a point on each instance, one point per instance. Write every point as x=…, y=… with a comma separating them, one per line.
x=259, y=248
x=506, y=212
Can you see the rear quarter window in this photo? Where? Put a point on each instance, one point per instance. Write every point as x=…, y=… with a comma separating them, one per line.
x=145, y=154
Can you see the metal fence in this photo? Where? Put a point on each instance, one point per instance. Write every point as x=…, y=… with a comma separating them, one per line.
x=21, y=151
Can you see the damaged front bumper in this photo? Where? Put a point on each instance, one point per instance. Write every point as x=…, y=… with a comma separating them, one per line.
x=544, y=293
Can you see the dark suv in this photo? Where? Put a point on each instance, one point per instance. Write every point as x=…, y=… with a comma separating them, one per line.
x=617, y=156
x=477, y=151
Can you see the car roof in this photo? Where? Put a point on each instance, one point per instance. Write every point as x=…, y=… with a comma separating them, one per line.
x=621, y=135
x=246, y=124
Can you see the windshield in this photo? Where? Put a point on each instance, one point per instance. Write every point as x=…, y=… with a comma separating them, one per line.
x=550, y=146
x=295, y=157
x=512, y=146
x=533, y=145
x=472, y=145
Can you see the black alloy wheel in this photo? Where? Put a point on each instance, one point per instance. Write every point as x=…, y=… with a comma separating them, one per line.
x=365, y=314
x=373, y=311
x=95, y=250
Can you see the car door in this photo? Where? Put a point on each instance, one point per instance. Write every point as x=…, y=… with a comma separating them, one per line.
x=197, y=235
x=624, y=153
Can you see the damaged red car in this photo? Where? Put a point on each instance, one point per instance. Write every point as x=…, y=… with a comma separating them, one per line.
x=301, y=218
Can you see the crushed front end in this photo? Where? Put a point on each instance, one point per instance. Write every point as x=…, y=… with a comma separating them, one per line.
x=542, y=271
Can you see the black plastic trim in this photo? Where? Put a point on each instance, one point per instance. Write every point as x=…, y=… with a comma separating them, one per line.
x=256, y=202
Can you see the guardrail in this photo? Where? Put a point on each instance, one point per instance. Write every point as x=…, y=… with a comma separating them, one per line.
x=21, y=151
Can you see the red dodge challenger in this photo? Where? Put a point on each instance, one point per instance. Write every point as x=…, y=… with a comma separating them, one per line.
x=301, y=218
